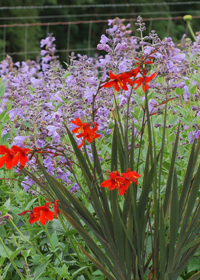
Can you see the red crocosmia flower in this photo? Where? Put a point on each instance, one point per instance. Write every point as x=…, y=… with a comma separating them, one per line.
x=121, y=182
x=144, y=80
x=131, y=176
x=6, y=158
x=41, y=213
x=119, y=81
x=24, y=212
x=116, y=182
x=56, y=209
x=85, y=131
x=20, y=154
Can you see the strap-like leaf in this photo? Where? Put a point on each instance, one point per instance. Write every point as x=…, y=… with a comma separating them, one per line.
x=118, y=228
x=114, y=151
x=162, y=243
x=145, y=191
x=190, y=205
x=98, y=265
x=174, y=217
x=83, y=164
x=102, y=191
x=170, y=176
x=196, y=276
x=187, y=180
x=91, y=243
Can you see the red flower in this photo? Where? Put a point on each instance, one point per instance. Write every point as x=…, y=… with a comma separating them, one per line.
x=24, y=212
x=142, y=60
x=6, y=158
x=121, y=182
x=144, y=80
x=132, y=176
x=41, y=213
x=116, y=182
x=56, y=209
x=85, y=131
x=121, y=80
x=19, y=155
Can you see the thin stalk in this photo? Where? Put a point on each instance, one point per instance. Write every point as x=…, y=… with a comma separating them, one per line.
x=20, y=274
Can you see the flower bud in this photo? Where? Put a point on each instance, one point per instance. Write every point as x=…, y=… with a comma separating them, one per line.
x=187, y=17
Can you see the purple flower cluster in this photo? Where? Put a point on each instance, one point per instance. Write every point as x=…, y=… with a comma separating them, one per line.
x=41, y=95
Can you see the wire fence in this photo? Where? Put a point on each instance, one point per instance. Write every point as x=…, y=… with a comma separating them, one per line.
x=68, y=49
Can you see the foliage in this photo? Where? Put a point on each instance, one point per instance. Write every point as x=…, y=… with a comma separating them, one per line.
x=148, y=232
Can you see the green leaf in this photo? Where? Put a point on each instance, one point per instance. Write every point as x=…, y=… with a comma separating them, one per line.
x=2, y=115
x=114, y=152
x=15, y=253
x=179, y=91
x=27, y=124
x=196, y=68
x=96, y=250
x=83, y=164
x=6, y=137
x=79, y=270
x=162, y=243
x=67, y=74
x=3, y=252
x=138, y=100
x=98, y=265
x=39, y=270
x=174, y=218
x=170, y=175
x=31, y=90
x=189, y=207
x=2, y=88
x=192, y=89
x=194, y=264
x=196, y=276
x=117, y=227
x=30, y=203
x=54, y=239
x=26, y=253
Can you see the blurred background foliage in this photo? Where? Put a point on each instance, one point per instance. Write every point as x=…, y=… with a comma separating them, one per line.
x=12, y=39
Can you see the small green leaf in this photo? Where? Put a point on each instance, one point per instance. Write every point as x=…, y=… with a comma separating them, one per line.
x=2, y=88
x=39, y=270
x=193, y=89
x=67, y=74
x=3, y=252
x=179, y=91
x=194, y=264
x=26, y=253
x=54, y=239
x=15, y=253
x=2, y=115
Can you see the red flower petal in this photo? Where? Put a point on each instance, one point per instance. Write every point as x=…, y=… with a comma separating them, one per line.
x=24, y=212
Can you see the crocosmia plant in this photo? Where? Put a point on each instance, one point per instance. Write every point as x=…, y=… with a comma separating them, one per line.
x=114, y=149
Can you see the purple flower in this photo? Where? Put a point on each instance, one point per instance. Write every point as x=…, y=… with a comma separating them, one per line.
x=19, y=140
x=63, y=175
x=15, y=112
x=49, y=164
x=27, y=183
x=74, y=188
x=104, y=39
x=193, y=135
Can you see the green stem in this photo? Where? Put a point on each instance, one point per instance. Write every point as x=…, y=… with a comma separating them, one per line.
x=191, y=31
x=82, y=264
x=20, y=232
x=11, y=260
x=38, y=251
